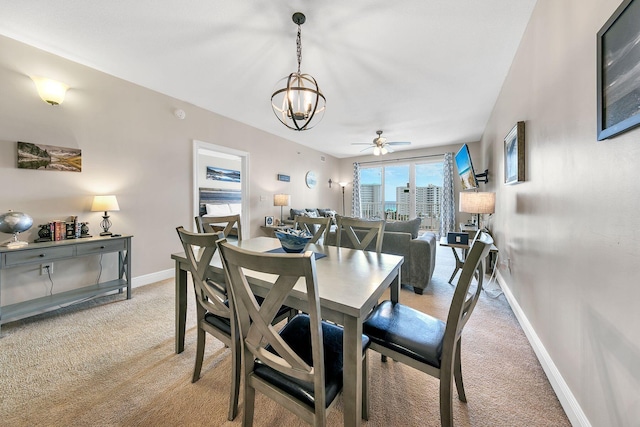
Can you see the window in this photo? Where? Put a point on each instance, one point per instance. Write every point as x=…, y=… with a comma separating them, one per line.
x=403, y=191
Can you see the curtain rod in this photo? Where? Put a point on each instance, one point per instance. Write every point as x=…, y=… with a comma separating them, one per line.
x=403, y=158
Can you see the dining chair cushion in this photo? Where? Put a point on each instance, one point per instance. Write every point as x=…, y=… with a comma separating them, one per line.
x=407, y=331
x=224, y=324
x=218, y=322
x=297, y=334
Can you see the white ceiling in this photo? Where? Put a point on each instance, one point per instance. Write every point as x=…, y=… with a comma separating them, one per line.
x=425, y=71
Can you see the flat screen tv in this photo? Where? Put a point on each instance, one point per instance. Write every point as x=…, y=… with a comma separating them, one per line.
x=466, y=173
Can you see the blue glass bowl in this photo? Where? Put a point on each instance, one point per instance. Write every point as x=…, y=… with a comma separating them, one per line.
x=292, y=243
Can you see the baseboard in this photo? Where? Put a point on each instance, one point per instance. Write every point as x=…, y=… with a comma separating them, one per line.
x=568, y=401
x=152, y=278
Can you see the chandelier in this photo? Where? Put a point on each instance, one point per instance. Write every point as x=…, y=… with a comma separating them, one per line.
x=297, y=101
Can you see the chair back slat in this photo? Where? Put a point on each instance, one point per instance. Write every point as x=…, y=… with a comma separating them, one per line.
x=374, y=228
x=199, y=249
x=230, y=225
x=463, y=302
x=308, y=224
x=255, y=319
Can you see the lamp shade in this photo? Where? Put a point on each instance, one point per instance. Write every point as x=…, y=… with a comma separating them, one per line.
x=51, y=91
x=105, y=204
x=281, y=199
x=478, y=203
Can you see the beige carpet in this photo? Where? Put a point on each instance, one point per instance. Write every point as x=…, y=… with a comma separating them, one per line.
x=111, y=362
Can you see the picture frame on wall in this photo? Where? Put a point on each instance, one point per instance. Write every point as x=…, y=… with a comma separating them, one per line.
x=618, y=79
x=514, y=164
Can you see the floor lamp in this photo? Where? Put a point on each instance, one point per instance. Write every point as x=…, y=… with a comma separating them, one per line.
x=478, y=203
x=342, y=185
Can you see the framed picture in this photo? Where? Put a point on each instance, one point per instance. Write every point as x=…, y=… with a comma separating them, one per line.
x=49, y=157
x=221, y=174
x=268, y=221
x=514, y=155
x=618, y=71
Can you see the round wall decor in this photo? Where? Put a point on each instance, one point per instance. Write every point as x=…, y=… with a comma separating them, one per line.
x=310, y=179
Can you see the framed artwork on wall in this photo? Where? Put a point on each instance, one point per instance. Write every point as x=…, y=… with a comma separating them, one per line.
x=310, y=179
x=49, y=157
x=618, y=71
x=514, y=155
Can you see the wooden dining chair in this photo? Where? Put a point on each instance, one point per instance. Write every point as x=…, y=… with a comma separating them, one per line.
x=214, y=312
x=318, y=227
x=300, y=366
x=230, y=225
x=426, y=343
x=355, y=228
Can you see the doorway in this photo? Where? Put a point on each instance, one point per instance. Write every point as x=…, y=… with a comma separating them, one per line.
x=207, y=156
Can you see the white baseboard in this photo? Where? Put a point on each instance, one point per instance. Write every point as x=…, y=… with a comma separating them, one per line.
x=152, y=278
x=568, y=401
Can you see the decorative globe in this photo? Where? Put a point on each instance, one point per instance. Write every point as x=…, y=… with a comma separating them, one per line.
x=293, y=243
x=15, y=222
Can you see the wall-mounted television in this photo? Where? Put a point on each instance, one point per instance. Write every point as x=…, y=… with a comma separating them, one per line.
x=466, y=173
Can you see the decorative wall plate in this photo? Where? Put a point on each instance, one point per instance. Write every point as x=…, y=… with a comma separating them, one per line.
x=310, y=179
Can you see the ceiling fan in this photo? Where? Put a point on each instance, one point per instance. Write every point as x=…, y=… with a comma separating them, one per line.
x=380, y=144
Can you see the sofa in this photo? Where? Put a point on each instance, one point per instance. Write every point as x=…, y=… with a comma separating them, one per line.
x=401, y=238
x=312, y=212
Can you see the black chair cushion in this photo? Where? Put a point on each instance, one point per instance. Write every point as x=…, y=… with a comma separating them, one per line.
x=297, y=333
x=223, y=324
x=218, y=322
x=406, y=331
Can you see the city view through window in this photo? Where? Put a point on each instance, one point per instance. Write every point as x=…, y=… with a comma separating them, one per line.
x=402, y=192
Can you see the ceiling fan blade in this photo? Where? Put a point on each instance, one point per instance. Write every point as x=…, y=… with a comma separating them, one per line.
x=368, y=148
x=389, y=150
x=360, y=143
x=399, y=143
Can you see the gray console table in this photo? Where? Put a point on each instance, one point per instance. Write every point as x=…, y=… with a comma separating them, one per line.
x=47, y=252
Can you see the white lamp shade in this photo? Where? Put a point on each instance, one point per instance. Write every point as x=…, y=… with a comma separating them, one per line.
x=50, y=91
x=478, y=203
x=105, y=204
x=281, y=199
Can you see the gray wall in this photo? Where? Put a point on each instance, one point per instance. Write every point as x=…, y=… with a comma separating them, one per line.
x=571, y=231
x=133, y=147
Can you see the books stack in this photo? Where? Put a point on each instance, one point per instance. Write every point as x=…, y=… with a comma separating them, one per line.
x=61, y=230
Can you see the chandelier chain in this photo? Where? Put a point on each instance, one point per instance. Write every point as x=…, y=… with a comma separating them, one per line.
x=299, y=48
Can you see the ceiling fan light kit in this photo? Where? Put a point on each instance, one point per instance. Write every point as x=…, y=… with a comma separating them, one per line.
x=297, y=101
x=380, y=145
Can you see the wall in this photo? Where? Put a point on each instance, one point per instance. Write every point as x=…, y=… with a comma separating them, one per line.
x=133, y=147
x=570, y=232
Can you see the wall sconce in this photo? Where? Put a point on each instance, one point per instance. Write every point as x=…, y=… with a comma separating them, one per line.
x=51, y=91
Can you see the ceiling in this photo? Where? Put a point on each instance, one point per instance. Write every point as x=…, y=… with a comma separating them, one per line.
x=425, y=71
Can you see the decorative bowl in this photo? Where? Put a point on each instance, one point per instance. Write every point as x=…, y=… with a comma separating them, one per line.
x=293, y=242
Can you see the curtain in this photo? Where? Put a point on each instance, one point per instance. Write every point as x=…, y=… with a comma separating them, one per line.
x=448, y=212
x=355, y=197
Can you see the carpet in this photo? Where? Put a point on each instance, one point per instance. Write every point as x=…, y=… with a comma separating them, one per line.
x=111, y=362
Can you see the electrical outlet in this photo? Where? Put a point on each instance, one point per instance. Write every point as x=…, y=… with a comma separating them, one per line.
x=45, y=267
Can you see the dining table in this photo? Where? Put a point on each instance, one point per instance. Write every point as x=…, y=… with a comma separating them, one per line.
x=350, y=283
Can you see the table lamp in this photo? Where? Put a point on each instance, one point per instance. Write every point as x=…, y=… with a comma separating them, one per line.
x=478, y=203
x=105, y=204
x=281, y=200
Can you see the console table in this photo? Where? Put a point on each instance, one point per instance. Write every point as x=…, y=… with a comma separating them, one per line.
x=48, y=252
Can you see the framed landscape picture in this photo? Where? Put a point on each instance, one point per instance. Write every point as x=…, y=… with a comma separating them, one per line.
x=49, y=157
x=619, y=71
x=514, y=155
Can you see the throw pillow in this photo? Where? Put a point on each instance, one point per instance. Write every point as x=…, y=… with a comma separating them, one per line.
x=312, y=214
x=411, y=226
x=294, y=212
